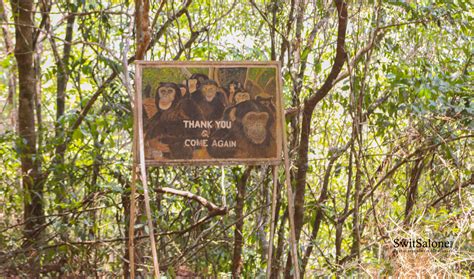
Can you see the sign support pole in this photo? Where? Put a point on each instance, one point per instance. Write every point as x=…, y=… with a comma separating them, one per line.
x=133, y=193
x=272, y=221
x=131, y=228
x=291, y=211
x=291, y=205
x=143, y=176
x=138, y=148
x=224, y=200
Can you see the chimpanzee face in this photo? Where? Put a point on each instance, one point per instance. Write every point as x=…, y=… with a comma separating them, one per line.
x=266, y=102
x=167, y=95
x=209, y=91
x=241, y=97
x=255, y=126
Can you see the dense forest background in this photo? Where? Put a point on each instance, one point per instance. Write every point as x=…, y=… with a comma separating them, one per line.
x=378, y=98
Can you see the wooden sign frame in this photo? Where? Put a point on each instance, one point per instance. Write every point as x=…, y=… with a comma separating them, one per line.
x=215, y=66
x=140, y=163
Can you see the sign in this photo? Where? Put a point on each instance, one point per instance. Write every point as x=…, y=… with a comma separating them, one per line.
x=213, y=113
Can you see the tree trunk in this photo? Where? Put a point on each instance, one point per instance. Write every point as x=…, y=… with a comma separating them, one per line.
x=238, y=232
x=142, y=24
x=62, y=78
x=33, y=188
x=143, y=38
x=412, y=190
x=319, y=214
x=309, y=105
x=277, y=265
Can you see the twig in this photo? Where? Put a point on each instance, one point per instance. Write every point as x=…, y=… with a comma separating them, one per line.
x=207, y=204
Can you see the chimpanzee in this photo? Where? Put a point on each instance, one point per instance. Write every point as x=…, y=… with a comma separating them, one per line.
x=210, y=100
x=165, y=130
x=241, y=96
x=194, y=82
x=231, y=89
x=250, y=135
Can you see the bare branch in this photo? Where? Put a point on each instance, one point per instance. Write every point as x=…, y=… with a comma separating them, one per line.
x=207, y=204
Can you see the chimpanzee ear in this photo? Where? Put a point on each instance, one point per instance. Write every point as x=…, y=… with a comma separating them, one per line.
x=232, y=112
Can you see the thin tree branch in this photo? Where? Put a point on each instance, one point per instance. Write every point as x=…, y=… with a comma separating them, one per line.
x=207, y=204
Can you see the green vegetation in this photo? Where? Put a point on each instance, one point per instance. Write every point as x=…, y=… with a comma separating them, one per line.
x=379, y=110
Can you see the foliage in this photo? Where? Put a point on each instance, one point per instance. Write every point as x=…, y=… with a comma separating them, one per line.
x=390, y=145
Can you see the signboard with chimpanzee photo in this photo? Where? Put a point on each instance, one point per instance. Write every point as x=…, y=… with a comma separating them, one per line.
x=216, y=113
